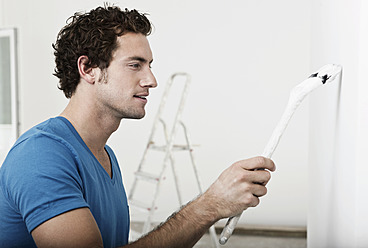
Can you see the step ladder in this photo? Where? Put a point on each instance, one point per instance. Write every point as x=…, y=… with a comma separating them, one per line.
x=168, y=148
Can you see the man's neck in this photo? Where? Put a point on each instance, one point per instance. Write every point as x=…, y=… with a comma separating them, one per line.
x=93, y=127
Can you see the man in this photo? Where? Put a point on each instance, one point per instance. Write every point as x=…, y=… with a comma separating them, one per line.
x=61, y=186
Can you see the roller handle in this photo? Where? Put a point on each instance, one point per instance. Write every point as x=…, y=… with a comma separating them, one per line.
x=267, y=153
x=228, y=229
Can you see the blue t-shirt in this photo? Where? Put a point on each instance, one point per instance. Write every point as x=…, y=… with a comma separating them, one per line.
x=49, y=171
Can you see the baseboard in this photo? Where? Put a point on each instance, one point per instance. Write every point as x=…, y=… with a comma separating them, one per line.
x=270, y=231
x=257, y=230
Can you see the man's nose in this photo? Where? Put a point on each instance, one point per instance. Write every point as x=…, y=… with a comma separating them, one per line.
x=149, y=80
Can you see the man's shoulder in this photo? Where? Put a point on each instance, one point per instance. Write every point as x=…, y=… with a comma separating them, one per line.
x=47, y=140
x=52, y=131
x=40, y=149
x=51, y=127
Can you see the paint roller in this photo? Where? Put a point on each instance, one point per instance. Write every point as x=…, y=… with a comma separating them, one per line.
x=326, y=74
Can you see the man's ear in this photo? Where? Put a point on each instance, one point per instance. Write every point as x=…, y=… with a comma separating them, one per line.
x=86, y=72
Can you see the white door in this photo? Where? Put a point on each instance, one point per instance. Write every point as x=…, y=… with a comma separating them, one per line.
x=8, y=91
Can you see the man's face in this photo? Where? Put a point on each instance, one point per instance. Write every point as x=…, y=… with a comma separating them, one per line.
x=124, y=86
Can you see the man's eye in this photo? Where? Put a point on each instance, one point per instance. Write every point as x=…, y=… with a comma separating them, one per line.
x=135, y=66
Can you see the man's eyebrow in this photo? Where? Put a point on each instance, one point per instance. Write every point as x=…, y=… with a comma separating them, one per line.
x=141, y=59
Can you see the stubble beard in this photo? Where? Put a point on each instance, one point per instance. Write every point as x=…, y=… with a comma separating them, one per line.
x=129, y=113
x=134, y=115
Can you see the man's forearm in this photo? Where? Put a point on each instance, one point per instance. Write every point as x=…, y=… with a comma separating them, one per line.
x=182, y=229
x=236, y=189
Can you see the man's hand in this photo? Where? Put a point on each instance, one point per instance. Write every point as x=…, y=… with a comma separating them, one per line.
x=240, y=186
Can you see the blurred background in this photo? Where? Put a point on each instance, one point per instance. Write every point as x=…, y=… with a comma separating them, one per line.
x=244, y=58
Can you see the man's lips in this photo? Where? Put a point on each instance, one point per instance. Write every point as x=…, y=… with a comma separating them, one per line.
x=142, y=96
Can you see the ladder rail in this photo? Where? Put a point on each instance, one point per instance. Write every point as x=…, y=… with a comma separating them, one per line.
x=163, y=102
x=176, y=179
x=156, y=121
x=190, y=149
x=168, y=149
x=170, y=140
x=168, y=152
x=212, y=229
x=158, y=118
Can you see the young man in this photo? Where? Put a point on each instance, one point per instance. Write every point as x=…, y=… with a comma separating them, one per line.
x=61, y=186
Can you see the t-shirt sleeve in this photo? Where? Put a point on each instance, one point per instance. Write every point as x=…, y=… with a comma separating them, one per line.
x=44, y=180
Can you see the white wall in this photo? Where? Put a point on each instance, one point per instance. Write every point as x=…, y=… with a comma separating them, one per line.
x=1, y=13
x=338, y=127
x=244, y=57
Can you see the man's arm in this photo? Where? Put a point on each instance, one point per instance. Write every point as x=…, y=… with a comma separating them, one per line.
x=76, y=228
x=236, y=189
x=182, y=229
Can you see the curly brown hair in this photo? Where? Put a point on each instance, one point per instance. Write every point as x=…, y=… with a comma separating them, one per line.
x=94, y=35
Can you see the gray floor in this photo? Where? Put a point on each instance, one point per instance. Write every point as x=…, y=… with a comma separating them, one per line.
x=249, y=241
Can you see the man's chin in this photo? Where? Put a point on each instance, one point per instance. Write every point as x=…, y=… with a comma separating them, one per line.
x=135, y=117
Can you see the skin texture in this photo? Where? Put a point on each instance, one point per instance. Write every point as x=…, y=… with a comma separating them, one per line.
x=102, y=99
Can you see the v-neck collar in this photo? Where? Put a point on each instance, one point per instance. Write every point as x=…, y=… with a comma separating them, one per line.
x=81, y=141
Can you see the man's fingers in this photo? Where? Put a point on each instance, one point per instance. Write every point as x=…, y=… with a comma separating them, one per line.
x=253, y=201
x=259, y=190
x=261, y=177
x=257, y=163
x=241, y=185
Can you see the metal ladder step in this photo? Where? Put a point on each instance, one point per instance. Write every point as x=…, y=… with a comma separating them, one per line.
x=147, y=176
x=140, y=205
x=174, y=148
